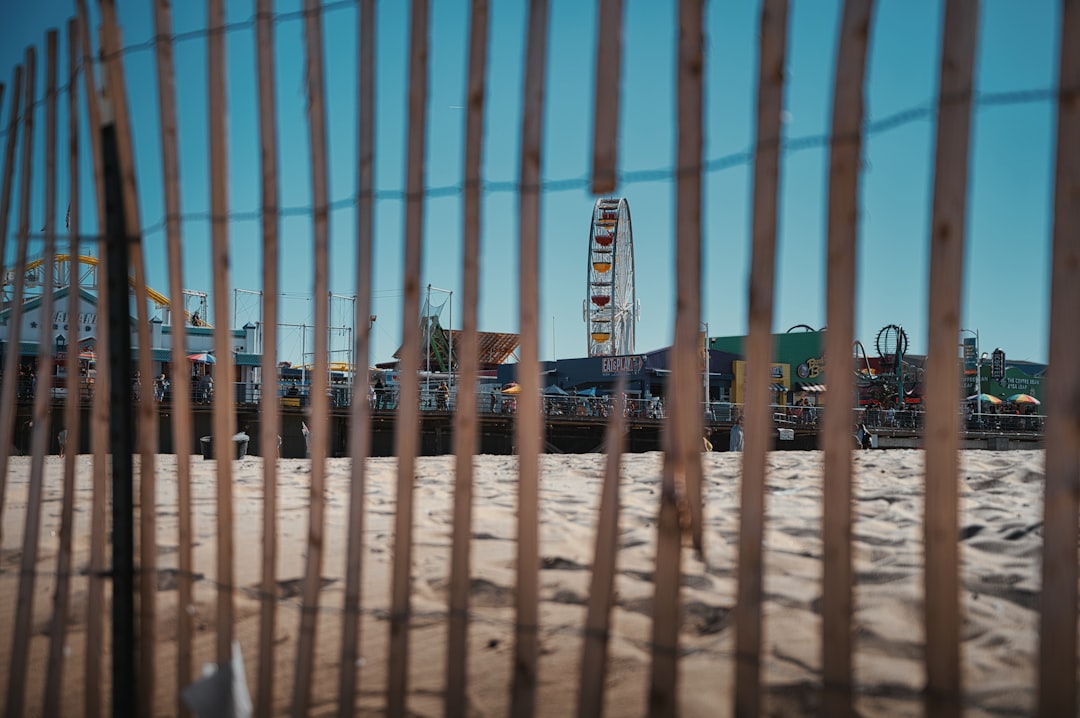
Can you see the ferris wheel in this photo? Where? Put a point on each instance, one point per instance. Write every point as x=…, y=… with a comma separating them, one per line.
x=611, y=306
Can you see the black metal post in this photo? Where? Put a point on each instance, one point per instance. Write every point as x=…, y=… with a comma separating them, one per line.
x=121, y=425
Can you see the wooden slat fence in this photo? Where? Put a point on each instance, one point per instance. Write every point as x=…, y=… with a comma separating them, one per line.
x=681, y=501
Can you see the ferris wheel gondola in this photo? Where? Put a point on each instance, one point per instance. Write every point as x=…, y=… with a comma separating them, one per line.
x=611, y=306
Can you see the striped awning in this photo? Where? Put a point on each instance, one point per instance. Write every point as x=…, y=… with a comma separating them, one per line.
x=811, y=387
x=777, y=387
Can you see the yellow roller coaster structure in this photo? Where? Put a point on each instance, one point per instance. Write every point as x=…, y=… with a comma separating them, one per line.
x=32, y=275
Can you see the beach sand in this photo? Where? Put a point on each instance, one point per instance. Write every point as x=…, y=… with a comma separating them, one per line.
x=1001, y=513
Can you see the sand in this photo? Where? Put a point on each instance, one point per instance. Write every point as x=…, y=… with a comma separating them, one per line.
x=1000, y=547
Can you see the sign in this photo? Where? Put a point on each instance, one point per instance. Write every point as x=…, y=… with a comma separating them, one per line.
x=997, y=365
x=621, y=365
x=971, y=358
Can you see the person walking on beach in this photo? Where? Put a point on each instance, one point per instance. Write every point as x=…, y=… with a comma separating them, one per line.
x=62, y=440
x=736, y=443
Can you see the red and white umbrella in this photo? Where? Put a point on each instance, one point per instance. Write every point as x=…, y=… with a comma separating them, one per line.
x=202, y=358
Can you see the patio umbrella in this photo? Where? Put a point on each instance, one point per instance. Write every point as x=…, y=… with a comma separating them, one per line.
x=1024, y=399
x=202, y=358
x=555, y=390
x=511, y=388
x=986, y=398
x=88, y=356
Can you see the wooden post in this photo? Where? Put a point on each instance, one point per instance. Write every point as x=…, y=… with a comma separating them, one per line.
x=7, y=382
x=99, y=425
x=224, y=416
x=683, y=435
x=528, y=430
x=146, y=426
x=609, y=31
x=20, y=632
x=758, y=422
x=181, y=377
x=58, y=632
x=39, y=440
x=269, y=406
x=594, y=656
x=320, y=407
x=465, y=421
x=942, y=432
x=1058, y=616
x=408, y=418
x=844, y=163
x=360, y=414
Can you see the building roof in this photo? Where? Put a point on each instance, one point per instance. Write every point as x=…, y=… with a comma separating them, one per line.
x=494, y=348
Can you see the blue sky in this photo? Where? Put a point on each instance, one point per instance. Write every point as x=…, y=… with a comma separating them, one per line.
x=1010, y=199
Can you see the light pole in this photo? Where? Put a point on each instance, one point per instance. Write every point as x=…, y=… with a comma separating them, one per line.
x=978, y=374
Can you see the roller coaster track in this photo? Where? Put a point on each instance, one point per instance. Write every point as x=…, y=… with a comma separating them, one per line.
x=159, y=299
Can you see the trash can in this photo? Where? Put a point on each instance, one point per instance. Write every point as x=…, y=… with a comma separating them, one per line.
x=240, y=441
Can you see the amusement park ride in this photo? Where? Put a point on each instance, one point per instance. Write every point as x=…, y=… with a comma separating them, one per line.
x=87, y=269
x=611, y=306
x=896, y=378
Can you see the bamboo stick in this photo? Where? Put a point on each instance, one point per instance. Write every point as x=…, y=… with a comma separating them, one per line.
x=594, y=658
x=609, y=31
x=39, y=440
x=942, y=432
x=1058, y=612
x=181, y=378
x=224, y=421
x=844, y=163
x=405, y=438
x=465, y=419
x=681, y=483
x=7, y=382
x=528, y=430
x=58, y=631
x=147, y=420
x=360, y=415
x=270, y=410
x=758, y=417
x=99, y=430
x=320, y=407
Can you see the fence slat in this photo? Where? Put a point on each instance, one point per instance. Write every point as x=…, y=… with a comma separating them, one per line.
x=7, y=383
x=360, y=414
x=594, y=655
x=406, y=441
x=270, y=408
x=20, y=632
x=99, y=424
x=224, y=421
x=182, y=429
x=45, y=346
x=320, y=408
x=759, y=429
x=609, y=32
x=681, y=483
x=528, y=431
x=70, y=425
x=146, y=416
x=1058, y=618
x=844, y=164
x=942, y=432
x=465, y=419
